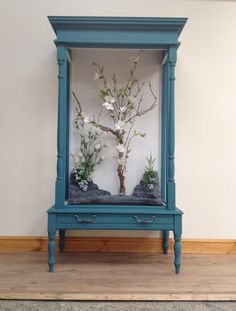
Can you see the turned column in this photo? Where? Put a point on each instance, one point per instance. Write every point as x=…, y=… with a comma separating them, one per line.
x=171, y=61
x=61, y=131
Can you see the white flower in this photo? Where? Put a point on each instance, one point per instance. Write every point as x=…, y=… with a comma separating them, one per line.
x=97, y=147
x=123, y=109
x=86, y=119
x=120, y=148
x=119, y=125
x=96, y=76
x=110, y=99
x=108, y=106
x=150, y=186
x=98, y=131
x=80, y=154
x=76, y=159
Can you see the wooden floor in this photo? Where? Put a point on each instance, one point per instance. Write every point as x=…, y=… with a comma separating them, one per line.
x=117, y=276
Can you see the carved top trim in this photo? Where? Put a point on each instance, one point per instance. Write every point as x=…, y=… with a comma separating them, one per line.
x=76, y=22
x=88, y=24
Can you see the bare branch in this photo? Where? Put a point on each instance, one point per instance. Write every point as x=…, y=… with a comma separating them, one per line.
x=141, y=112
x=139, y=88
x=132, y=71
x=128, y=135
x=80, y=108
x=150, y=87
x=105, y=128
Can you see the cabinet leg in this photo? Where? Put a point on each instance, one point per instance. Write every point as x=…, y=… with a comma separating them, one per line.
x=177, y=249
x=61, y=239
x=51, y=250
x=165, y=243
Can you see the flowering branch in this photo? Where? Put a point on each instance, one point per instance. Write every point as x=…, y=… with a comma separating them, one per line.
x=124, y=106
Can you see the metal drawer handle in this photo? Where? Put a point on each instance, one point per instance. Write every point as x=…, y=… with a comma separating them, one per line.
x=144, y=221
x=85, y=221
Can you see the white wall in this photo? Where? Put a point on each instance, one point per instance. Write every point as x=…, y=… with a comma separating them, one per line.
x=205, y=111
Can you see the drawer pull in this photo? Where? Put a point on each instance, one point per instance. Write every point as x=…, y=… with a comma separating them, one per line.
x=85, y=221
x=144, y=221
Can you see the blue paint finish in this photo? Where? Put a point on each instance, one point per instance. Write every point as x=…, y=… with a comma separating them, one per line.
x=118, y=38
x=116, y=32
x=163, y=132
x=171, y=60
x=62, y=239
x=165, y=241
x=51, y=241
x=114, y=209
x=61, y=131
x=177, y=244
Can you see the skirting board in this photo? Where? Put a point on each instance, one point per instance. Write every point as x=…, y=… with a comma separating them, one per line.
x=104, y=244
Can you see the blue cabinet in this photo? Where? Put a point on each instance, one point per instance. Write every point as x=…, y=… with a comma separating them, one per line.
x=126, y=33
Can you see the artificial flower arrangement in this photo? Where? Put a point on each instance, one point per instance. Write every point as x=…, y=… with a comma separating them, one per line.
x=124, y=107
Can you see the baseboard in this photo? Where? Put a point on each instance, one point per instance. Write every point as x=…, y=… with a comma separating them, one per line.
x=104, y=244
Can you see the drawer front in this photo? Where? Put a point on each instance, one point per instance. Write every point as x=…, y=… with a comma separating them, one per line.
x=98, y=220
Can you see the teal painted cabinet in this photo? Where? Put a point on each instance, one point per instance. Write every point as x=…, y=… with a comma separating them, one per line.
x=117, y=33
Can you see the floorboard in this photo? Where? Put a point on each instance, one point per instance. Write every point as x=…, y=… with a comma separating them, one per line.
x=117, y=276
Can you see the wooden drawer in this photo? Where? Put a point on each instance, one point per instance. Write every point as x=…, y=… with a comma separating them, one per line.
x=113, y=221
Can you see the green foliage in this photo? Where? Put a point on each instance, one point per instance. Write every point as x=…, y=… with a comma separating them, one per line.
x=90, y=152
x=150, y=174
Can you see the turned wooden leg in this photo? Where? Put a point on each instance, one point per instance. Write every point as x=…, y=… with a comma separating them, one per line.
x=177, y=236
x=177, y=249
x=51, y=250
x=61, y=239
x=165, y=243
x=51, y=241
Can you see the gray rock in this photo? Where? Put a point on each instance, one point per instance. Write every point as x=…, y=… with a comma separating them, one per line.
x=142, y=190
x=76, y=193
x=142, y=195
x=115, y=200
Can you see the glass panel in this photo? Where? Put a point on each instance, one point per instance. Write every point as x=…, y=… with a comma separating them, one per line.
x=115, y=127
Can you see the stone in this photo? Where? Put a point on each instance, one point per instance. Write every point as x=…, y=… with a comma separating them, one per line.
x=92, y=192
x=115, y=200
x=142, y=190
x=142, y=195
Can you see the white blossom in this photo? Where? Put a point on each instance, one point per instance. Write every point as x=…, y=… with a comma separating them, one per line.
x=97, y=131
x=120, y=148
x=119, y=125
x=123, y=109
x=80, y=154
x=110, y=99
x=97, y=147
x=86, y=119
x=108, y=106
x=96, y=76
x=76, y=159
